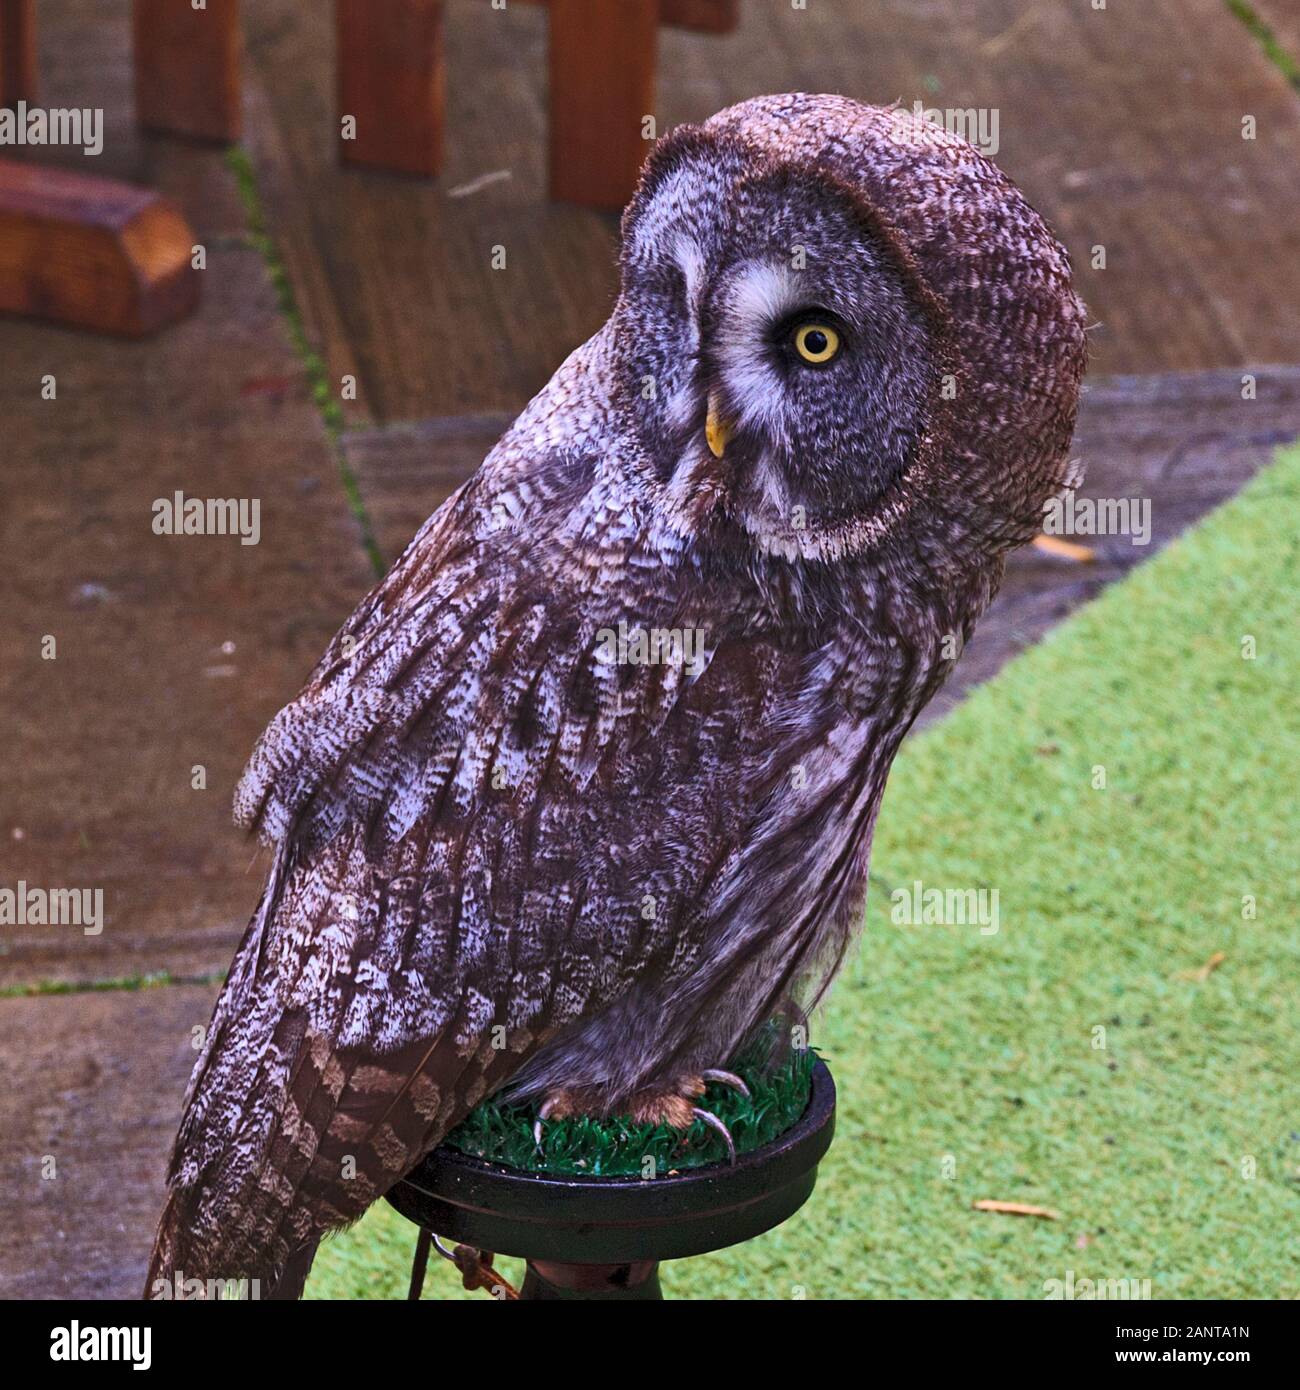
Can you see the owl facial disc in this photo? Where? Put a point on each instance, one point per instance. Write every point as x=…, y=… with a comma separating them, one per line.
x=759, y=308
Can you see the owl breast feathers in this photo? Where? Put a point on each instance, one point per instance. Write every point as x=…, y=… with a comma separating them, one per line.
x=582, y=794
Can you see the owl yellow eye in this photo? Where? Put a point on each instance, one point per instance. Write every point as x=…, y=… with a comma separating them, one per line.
x=816, y=342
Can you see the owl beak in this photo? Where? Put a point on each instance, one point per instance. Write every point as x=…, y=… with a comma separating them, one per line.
x=716, y=430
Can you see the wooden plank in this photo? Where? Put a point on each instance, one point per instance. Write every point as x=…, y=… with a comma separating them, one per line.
x=390, y=84
x=17, y=51
x=321, y=302
x=92, y=252
x=172, y=651
x=602, y=89
x=187, y=68
x=1282, y=20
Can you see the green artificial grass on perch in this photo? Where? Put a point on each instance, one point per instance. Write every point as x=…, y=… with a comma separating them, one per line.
x=617, y=1147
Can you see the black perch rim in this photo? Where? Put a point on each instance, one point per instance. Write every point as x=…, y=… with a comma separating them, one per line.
x=584, y=1220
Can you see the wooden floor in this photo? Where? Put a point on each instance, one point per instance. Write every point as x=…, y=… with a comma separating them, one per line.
x=1123, y=126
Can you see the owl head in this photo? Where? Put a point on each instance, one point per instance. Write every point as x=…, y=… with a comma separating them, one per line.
x=840, y=328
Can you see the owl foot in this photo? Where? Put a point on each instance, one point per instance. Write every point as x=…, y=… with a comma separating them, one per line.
x=673, y=1106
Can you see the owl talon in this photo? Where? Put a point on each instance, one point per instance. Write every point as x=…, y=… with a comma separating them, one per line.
x=726, y=1078
x=673, y=1106
x=547, y=1108
x=714, y=1123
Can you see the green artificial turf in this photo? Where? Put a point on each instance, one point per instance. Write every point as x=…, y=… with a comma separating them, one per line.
x=778, y=1096
x=1081, y=1058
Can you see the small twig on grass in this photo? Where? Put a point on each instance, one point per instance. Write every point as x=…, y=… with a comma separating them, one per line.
x=1018, y=1209
x=1203, y=972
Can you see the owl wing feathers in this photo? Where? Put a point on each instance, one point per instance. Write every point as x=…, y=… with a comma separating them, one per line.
x=466, y=809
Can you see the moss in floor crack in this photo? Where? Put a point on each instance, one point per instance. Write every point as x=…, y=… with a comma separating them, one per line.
x=314, y=368
x=155, y=980
x=1287, y=63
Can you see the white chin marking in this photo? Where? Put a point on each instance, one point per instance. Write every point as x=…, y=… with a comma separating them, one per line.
x=770, y=482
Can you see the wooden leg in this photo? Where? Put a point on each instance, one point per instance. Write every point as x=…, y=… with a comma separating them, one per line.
x=17, y=51
x=187, y=67
x=602, y=64
x=390, y=83
x=83, y=250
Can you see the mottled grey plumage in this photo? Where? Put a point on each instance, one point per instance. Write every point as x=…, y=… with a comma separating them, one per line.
x=502, y=860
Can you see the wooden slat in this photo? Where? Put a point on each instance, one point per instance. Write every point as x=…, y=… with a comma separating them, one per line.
x=390, y=81
x=85, y=64
x=17, y=51
x=602, y=89
x=92, y=252
x=187, y=68
x=394, y=277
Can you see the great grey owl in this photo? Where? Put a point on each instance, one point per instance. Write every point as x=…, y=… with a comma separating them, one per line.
x=583, y=793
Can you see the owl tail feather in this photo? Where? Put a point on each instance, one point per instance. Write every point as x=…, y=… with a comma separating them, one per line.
x=169, y=1276
x=162, y=1263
